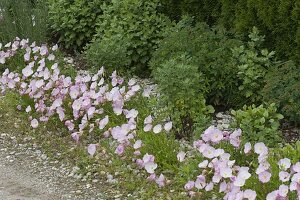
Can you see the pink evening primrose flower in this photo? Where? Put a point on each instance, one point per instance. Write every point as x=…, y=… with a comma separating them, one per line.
x=161, y=180
x=92, y=149
x=34, y=123
x=260, y=148
x=284, y=164
x=75, y=137
x=181, y=156
x=284, y=176
x=247, y=148
x=168, y=126
x=189, y=185
x=264, y=177
x=157, y=128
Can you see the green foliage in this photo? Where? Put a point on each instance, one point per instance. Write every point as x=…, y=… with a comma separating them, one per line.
x=283, y=88
x=252, y=64
x=259, y=123
x=23, y=19
x=133, y=22
x=277, y=19
x=74, y=22
x=290, y=151
x=182, y=94
x=202, y=10
x=209, y=50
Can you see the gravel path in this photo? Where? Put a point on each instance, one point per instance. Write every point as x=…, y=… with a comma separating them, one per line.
x=15, y=184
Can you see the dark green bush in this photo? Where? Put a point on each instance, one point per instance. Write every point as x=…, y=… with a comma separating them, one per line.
x=209, y=50
x=181, y=87
x=283, y=88
x=259, y=123
x=74, y=22
x=23, y=19
x=135, y=21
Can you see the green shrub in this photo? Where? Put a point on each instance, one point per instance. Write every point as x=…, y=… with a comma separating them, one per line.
x=23, y=19
x=181, y=90
x=135, y=21
x=259, y=123
x=283, y=88
x=74, y=22
x=252, y=64
x=209, y=50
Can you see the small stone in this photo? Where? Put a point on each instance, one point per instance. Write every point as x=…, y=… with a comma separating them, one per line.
x=78, y=192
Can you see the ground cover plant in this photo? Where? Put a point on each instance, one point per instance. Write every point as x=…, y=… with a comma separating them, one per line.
x=94, y=107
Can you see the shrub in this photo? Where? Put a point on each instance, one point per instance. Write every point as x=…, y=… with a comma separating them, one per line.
x=182, y=88
x=283, y=88
x=134, y=21
x=209, y=50
x=23, y=18
x=74, y=22
x=259, y=123
x=252, y=64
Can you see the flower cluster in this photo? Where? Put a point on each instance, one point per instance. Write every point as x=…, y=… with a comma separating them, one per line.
x=83, y=104
x=218, y=170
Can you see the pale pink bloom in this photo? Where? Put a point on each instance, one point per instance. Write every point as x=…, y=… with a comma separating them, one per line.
x=216, y=136
x=189, y=185
x=223, y=187
x=296, y=178
x=250, y=194
x=137, y=153
x=284, y=164
x=209, y=186
x=92, y=149
x=43, y=50
x=132, y=114
x=284, y=176
x=34, y=123
x=264, y=177
x=263, y=166
x=103, y=122
x=247, y=148
x=140, y=163
x=148, y=158
x=157, y=128
x=75, y=137
x=260, y=148
x=161, y=181
x=137, y=144
x=181, y=156
x=283, y=190
x=55, y=47
x=135, y=88
x=106, y=134
x=226, y=172
x=296, y=167
x=203, y=164
x=27, y=71
x=200, y=182
x=152, y=177
x=209, y=152
x=76, y=105
x=219, y=152
x=272, y=195
x=131, y=82
x=216, y=178
x=148, y=127
x=148, y=120
x=168, y=126
x=120, y=149
x=28, y=109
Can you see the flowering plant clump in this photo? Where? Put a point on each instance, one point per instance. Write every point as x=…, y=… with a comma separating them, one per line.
x=229, y=174
x=86, y=104
x=104, y=106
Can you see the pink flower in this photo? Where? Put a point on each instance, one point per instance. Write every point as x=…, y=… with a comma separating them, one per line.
x=272, y=195
x=216, y=136
x=148, y=120
x=120, y=149
x=148, y=127
x=28, y=109
x=296, y=167
x=226, y=172
x=223, y=187
x=250, y=194
x=168, y=126
x=283, y=190
x=203, y=164
x=103, y=122
x=161, y=181
x=34, y=123
x=157, y=128
x=152, y=177
x=180, y=156
x=284, y=164
x=92, y=149
x=260, y=148
x=209, y=152
x=189, y=185
x=209, y=186
x=247, y=148
x=137, y=144
x=200, y=183
x=284, y=176
x=264, y=177
x=75, y=137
